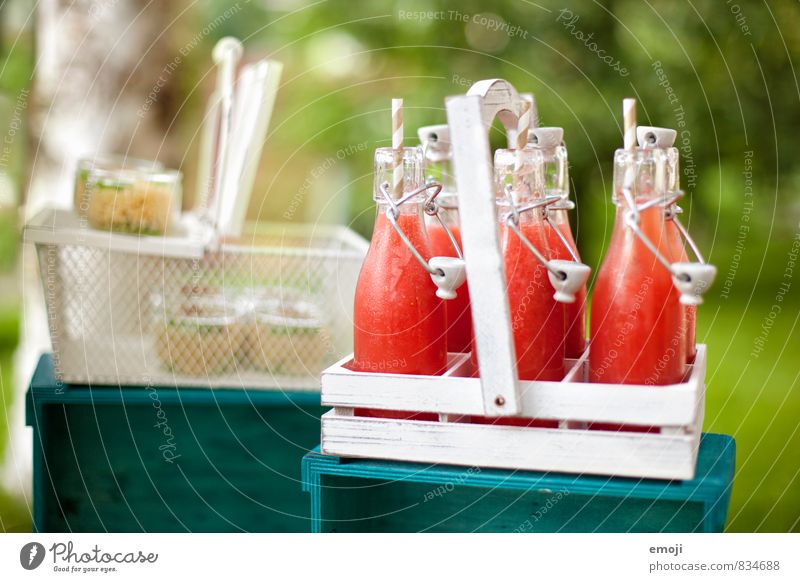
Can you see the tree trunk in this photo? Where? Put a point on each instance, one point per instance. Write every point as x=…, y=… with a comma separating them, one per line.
x=102, y=85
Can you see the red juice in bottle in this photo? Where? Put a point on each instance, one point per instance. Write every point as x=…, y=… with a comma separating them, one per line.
x=438, y=166
x=549, y=140
x=678, y=250
x=637, y=329
x=399, y=321
x=574, y=313
x=537, y=320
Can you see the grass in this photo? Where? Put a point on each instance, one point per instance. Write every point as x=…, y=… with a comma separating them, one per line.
x=756, y=398
x=14, y=513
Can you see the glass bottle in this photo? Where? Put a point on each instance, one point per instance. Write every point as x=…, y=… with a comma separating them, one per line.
x=679, y=250
x=399, y=321
x=556, y=183
x=537, y=320
x=637, y=320
x=435, y=141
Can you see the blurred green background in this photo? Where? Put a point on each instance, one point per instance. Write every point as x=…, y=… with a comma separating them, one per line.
x=724, y=73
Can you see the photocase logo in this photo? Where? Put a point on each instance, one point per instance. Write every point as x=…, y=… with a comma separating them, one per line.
x=31, y=555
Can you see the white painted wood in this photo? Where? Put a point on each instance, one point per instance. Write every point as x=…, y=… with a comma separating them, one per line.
x=55, y=226
x=678, y=409
x=491, y=315
x=572, y=451
x=499, y=99
x=572, y=399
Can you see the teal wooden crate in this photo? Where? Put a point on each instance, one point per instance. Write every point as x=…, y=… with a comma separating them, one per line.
x=101, y=457
x=361, y=495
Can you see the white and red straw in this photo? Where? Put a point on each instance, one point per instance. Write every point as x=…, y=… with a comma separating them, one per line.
x=523, y=126
x=629, y=123
x=397, y=148
x=629, y=143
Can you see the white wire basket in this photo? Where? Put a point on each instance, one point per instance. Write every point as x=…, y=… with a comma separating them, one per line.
x=271, y=310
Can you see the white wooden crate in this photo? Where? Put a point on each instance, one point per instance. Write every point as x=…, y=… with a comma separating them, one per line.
x=672, y=454
x=676, y=409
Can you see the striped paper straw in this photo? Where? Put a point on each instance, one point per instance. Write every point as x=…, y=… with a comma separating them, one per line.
x=629, y=142
x=629, y=123
x=531, y=98
x=523, y=125
x=397, y=147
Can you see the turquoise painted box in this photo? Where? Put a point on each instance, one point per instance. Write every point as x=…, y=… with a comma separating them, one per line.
x=166, y=459
x=364, y=495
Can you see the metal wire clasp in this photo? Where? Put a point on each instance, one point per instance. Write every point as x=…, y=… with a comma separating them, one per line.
x=671, y=213
x=448, y=273
x=511, y=220
x=691, y=279
x=566, y=277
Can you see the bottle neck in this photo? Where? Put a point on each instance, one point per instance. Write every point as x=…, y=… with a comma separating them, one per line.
x=440, y=169
x=413, y=206
x=644, y=173
x=408, y=162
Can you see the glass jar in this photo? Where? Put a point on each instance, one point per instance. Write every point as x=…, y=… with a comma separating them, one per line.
x=286, y=337
x=200, y=335
x=137, y=197
x=108, y=163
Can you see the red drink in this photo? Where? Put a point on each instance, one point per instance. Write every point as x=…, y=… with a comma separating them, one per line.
x=459, y=317
x=690, y=311
x=637, y=319
x=399, y=320
x=435, y=140
x=574, y=313
x=637, y=322
x=537, y=320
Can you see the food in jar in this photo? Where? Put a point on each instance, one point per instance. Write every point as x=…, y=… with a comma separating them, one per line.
x=110, y=164
x=129, y=201
x=286, y=337
x=138, y=208
x=201, y=336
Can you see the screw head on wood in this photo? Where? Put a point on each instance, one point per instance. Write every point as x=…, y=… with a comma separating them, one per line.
x=499, y=401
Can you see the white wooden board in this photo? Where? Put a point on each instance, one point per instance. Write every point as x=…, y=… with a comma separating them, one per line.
x=504, y=447
x=491, y=315
x=571, y=399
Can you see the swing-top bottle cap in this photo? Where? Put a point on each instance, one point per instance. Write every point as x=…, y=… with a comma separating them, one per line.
x=432, y=134
x=660, y=137
x=546, y=137
x=435, y=140
x=550, y=140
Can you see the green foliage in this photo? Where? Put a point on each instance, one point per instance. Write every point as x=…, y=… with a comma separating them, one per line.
x=734, y=93
x=728, y=74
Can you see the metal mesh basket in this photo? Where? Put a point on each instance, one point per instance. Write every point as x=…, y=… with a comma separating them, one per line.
x=271, y=311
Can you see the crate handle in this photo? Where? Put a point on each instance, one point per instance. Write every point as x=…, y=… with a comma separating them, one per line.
x=470, y=116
